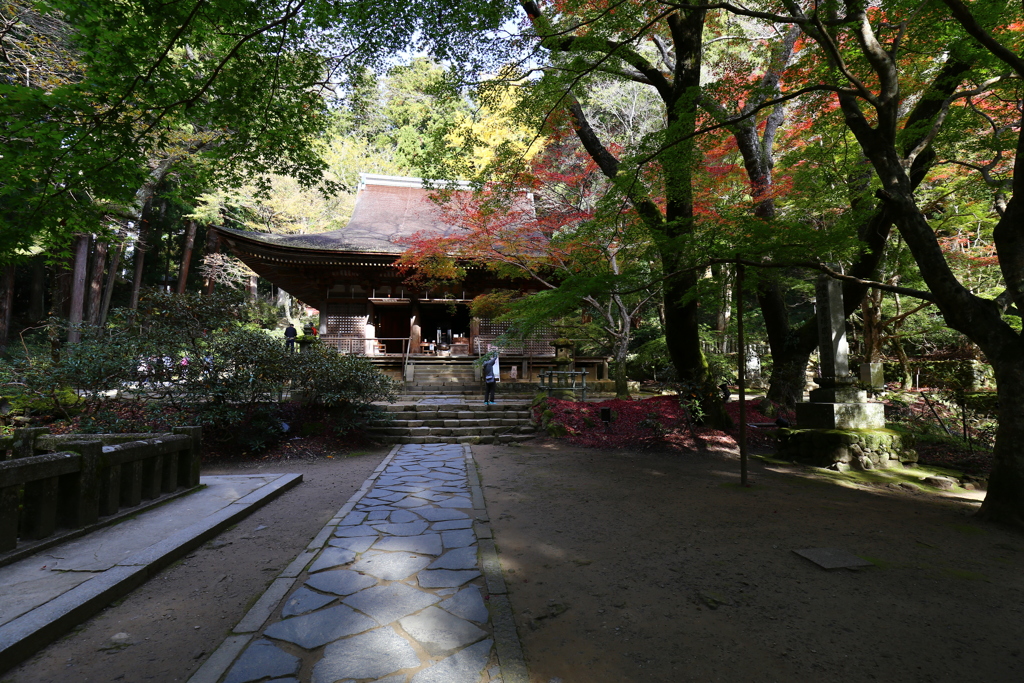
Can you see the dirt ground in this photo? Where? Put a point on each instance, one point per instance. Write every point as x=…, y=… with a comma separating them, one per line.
x=626, y=566
x=179, y=617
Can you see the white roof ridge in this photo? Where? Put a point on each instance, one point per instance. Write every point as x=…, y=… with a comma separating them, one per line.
x=408, y=181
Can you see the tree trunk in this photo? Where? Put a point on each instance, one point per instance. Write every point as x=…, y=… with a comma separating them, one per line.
x=37, y=294
x=6, y=304
x=140, y=260
x=81, y=252
x=60, y=288
x=112, y=272
x=1004, y=501
x=95, y=298
x=186, y=256
x=788, y=377
x=621, y=380
x=212, y=247
x=141, y=247
x=251, y=287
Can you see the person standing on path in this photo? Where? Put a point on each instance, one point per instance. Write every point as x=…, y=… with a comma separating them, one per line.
x=290, y=333
x=492, y=375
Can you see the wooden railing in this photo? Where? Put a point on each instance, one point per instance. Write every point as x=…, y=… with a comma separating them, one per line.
x=89, y=477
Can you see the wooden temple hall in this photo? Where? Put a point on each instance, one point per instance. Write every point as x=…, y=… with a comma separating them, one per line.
x=365, y=305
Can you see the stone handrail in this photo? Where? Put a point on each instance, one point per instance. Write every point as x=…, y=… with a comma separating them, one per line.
x=564, y=380
x=91, y=476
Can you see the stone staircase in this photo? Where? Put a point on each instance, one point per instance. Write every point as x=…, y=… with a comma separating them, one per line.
x=443, y=377
x=443, y=403
x=473, y=422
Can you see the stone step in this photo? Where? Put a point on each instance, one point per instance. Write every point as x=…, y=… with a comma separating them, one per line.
x=484, y=419
x=482, y=439
x=452, y=411
x=454, y=431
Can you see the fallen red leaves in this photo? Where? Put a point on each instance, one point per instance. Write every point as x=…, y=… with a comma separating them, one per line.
x=650, y=421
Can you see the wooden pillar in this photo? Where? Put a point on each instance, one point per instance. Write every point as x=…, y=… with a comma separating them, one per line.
x=212, y=247
x=474, y=332
x=81, y=254
x=186, y=255
x=6, y=303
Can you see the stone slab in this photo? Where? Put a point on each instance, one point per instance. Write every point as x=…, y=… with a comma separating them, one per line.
x=444, y=578
x=370, y=655
x=452, y=524
x=439, y=632
x=304, y=600
x=357, y=544
x=460, y=558
x=260, y=660
x=340, y=581
x=388, y=603
x=319, y=628
x=332, y=557
x=467, y=604
x=462, y=667
x=410, y=529
x=65, y=608
x=391, y=566
x=459, y=538
x=456, y=502
x=833, y=558
x=439, y=515
x=426, y=544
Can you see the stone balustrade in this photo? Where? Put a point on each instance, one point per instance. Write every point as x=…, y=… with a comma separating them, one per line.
x=84, y=477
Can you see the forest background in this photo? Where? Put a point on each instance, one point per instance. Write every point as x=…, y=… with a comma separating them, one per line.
x=665, y=144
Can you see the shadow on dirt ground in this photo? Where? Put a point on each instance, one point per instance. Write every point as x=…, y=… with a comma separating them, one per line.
x=626, y=566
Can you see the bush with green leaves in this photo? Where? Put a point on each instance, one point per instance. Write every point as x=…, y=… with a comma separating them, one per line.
x=200, y=358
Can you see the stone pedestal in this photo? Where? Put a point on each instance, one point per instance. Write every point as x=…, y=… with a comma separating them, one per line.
x=840, y=415
x=838, y=428
x=844, y=449
x=872, y=375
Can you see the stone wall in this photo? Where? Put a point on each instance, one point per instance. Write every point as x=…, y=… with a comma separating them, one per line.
x=841, y=449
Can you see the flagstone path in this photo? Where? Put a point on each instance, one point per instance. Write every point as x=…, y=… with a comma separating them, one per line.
x=395, y=593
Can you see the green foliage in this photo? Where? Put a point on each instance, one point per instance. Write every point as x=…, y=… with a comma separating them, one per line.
x=333, y=380
x=191, y=358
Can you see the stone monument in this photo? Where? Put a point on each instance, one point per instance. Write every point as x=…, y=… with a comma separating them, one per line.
x=837, y=403
x=838, y=428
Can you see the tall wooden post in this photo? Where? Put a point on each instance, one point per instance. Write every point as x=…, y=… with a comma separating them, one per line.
x=186, y=255
x=81, y=253
x=6, y=304
x=212, y=247
x=741, y=372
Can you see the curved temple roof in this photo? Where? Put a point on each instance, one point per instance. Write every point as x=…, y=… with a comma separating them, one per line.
x=388, y=209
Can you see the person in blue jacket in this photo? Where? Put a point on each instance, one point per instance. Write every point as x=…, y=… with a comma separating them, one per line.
x=492, y=375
